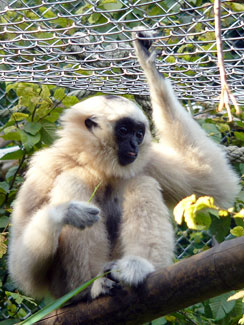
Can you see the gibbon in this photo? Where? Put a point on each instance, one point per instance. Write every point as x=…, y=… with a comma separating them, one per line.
x=59, y=240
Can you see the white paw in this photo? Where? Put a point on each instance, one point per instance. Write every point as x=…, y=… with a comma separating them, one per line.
x=103, y=286
x=76, y=213
x=131, y=270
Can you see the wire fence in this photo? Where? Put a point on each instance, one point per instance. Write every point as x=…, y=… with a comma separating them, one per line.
x=87, y=44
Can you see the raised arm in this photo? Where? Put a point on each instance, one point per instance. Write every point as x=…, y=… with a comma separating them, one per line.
x=185, y=160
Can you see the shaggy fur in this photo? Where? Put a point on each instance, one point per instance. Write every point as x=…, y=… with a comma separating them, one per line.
x=58, y=240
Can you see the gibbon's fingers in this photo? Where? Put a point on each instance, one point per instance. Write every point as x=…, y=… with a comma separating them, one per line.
x=77, y=214
x=131, y=270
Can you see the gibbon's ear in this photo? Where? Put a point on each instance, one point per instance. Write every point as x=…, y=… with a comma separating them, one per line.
x=90, y=122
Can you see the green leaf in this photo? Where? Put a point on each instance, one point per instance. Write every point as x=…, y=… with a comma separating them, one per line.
x=8, y=322
x=19, y=298
x=28, y=140
x=70, y=101
x=47, y=12
x=45, y=91
x=48, y=132
x=159, y=321
x=12, y=135
x=11, y=172
x=220, y=228
x=18, y=116
x=4, y=187
x=203, y=220
x=112, y=4
x=220, y=306
x=15, y=155
x=239, y=136
x=238, y=7
x=4, y=221
x=237, y=231
x=11, y=86
x=52, y=117
x=94, y=18
x=59, y=94
x=56, y=304
x=223, y=127
x=32, y=128
x=212, y=131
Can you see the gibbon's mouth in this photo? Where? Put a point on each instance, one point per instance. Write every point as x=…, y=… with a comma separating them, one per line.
x=128, y=158
x=132, y=154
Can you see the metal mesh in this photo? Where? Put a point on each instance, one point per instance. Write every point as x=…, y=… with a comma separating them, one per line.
x=87, y=44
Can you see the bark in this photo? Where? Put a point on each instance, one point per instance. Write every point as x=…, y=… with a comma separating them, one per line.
x=194, y=279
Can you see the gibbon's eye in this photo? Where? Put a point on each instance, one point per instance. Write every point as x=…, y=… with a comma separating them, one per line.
x=139, y=135
x=89, y=123
x=123, y=130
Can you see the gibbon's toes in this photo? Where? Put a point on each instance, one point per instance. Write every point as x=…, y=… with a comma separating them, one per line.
x=81, y=214
x=131, y=270
x=104, y=286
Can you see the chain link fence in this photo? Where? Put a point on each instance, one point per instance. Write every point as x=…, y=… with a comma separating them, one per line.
x=87, y=44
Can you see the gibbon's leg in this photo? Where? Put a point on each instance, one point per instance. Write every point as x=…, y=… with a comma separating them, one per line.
x=147, y=236
x=32, y=251
x=186, y=160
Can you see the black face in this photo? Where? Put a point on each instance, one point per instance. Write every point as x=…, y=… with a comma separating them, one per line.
x=129, y=135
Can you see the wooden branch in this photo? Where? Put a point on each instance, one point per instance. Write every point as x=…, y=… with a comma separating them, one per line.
x=226, y=93
x=205, y=275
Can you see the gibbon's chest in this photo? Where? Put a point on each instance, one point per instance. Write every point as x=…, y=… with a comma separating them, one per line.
x=110, y=204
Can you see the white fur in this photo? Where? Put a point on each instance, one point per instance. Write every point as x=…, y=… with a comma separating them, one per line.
x=58, y=241
x=131, y=270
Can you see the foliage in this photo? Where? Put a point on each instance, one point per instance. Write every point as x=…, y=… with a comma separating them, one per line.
x=30, y=126
x=57, y=303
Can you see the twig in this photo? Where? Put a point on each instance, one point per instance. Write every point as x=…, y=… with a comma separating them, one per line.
x=226, y=93
x=14, y=177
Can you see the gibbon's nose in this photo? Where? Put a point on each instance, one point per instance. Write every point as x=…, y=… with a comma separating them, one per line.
x=133, y=143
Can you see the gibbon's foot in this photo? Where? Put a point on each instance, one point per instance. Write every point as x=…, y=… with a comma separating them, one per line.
x=77, y=214
x=104, y=286
x=131, y=270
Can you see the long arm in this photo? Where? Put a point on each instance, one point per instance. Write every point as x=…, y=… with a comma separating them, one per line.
x=185, y=160
x=33, y=247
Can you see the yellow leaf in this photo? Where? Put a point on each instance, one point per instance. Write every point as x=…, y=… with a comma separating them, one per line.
x=205, y=202
x=3, y=246
x=236, y=296
x=237, y=231
x=170, y=318
x=182, y=206
x=223, y=213
x=239, y=214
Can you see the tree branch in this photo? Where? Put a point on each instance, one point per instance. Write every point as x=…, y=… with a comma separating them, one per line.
x=205, y=275
x=226, y=93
